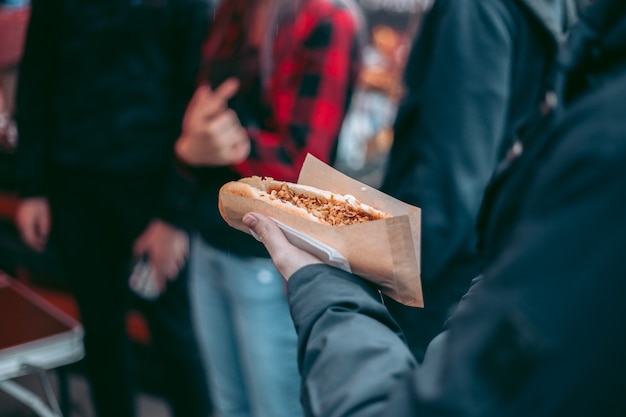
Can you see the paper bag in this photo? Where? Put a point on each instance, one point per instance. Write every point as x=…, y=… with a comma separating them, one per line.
x=385, y=252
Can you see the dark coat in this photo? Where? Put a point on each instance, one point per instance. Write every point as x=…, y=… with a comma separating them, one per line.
x=474, y=74
x=541, y=332
x=102, y=91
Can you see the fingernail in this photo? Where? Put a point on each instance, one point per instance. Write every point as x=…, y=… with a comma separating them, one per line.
x=250, y=221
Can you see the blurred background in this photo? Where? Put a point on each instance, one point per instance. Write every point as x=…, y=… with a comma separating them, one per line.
x=363, y=145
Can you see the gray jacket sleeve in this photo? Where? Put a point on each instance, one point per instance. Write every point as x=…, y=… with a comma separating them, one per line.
x=350, y=352
x=354, y=362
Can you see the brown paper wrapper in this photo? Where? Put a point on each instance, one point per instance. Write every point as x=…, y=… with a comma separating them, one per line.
x=385, y=252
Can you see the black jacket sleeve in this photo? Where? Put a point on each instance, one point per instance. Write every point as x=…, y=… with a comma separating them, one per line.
x=190, y=28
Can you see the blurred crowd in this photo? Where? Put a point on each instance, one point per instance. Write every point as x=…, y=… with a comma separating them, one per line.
x=501, y=120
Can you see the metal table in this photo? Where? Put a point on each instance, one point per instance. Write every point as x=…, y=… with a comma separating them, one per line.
x=35, y=337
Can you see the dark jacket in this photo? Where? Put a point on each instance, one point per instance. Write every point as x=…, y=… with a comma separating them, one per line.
x=540, y=334
x=103, y=88
x=473, y=75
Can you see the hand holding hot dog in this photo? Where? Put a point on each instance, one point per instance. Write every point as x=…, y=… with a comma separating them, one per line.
x=212, y=134
x=287, y=258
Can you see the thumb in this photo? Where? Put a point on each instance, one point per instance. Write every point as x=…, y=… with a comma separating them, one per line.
x=287, y=258
x=43, y=224
x=266, y=231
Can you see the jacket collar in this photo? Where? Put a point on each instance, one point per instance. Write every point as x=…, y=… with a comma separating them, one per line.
x=607, y=18
x=553, y=16
x=596, y=48
x=600, y=38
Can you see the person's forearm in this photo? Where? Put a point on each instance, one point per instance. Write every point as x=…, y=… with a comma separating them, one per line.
x=351, y=353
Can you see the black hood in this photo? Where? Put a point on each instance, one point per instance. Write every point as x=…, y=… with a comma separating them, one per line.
x=597, y=47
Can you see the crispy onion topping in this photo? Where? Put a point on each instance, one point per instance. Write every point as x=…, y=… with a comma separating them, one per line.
x=332, y=212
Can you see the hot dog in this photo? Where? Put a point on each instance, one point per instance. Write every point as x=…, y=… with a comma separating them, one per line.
x=305, y=201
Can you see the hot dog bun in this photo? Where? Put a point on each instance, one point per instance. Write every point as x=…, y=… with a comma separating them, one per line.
x=305, y=201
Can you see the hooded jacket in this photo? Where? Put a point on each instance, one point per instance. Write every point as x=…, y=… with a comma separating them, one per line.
x=474, y=74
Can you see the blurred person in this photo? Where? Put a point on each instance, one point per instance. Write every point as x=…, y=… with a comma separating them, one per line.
x=102, y=91
x=539, y=334
x=474, y=73
x=276, y=81
x=374, y=103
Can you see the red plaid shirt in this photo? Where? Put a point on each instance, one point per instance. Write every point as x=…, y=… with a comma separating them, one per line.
x=302, y=103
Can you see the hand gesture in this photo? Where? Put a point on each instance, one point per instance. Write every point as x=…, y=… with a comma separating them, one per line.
x=212, y=134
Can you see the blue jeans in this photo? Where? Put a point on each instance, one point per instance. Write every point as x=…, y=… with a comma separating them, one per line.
x=245, y=332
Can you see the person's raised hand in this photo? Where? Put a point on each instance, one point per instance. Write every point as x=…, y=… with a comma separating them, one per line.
x=287, y=258
x=32, y=219
x=212, y=134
